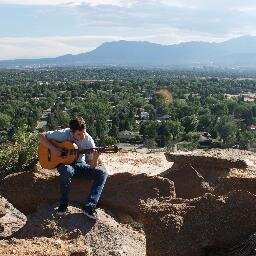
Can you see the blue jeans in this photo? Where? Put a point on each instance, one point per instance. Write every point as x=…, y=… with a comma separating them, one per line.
x=81, y=169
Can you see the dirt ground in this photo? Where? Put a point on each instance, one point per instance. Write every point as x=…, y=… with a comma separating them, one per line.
x=142, y=161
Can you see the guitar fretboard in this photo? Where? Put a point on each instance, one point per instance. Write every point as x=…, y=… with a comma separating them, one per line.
x=112, y=149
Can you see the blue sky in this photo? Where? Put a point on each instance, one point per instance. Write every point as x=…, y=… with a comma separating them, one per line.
x=46, y=28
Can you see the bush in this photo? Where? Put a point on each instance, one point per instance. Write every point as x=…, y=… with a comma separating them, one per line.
x=150, y=143
x=109, y=140
x=193, y=136
x=216, y=144
x=187, y=146
x=20, y=154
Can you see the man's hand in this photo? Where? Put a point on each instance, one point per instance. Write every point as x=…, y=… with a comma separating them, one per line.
x=95, y=155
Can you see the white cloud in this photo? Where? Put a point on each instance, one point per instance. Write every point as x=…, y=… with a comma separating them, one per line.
x=208, y=4
x=169, y=36
x=245, y=9
x=70, y=2
x=37, y=47
x=187, y=4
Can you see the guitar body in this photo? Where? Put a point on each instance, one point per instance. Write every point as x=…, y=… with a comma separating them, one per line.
x=49, y=160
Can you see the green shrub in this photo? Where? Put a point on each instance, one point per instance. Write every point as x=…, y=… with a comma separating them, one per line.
x=187, y=146
x=109, y=140
x=20, y=154
x=193, y=136
x=150, y=143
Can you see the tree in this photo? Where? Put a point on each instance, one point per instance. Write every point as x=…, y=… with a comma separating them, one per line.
x=244, y=112
x=244, y=138
x=227, y=129
x=182, y=108
x=149, y=129
x=205, y=122
x=5, y=120
x=219, y=109
x=165, y=95
x=190, y=123
x=170, y=131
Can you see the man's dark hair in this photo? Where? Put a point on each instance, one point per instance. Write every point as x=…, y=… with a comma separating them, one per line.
x=77, y=124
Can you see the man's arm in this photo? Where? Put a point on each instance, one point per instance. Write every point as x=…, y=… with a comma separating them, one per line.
x=43, y=140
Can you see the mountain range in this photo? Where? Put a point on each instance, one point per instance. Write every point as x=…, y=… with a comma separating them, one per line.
x=237, y=52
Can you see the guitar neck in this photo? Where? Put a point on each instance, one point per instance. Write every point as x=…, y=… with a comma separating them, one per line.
x=112, y=149
x=90, y=150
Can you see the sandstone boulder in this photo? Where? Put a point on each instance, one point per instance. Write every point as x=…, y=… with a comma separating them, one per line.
x=225, y=185
x=105, y=237
x=188, y=228
x=208, y=166
x=11, y=219
x=246, y=247
x=26, y=190
x=44, y=246
x=123, y=191
x=2, y=208
x=187, y=181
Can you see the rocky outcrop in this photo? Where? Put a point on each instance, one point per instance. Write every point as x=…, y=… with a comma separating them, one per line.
x=211, y=214
x=2, y=208
x=191, y=226
x=26, y=190
x=122, y=192
x=208, y=166
x=11, y=220
x=106, y=237
x=225, y=185
x=245, y=247
x=44, y=246
x=188, y=182
x=125, y=191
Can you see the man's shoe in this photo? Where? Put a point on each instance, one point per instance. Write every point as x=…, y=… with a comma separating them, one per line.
x=90, y=212
x=62, y=209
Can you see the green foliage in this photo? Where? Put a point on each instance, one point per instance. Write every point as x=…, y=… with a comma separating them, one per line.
x=170, y=131
x=193, y=136
x=5, y=120
x=227, y=130
x=150, y=143
x=187, y=146
x=190, y=123
x=149, y=129
x=111, y=100
x=206, y=122
x=245, y=139
x=17, y=156
x=108, y=140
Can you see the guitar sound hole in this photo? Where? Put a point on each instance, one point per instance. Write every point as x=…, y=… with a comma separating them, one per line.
x=64, y=152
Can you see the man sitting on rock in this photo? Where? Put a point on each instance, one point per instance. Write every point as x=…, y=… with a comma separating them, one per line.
x=85, y=166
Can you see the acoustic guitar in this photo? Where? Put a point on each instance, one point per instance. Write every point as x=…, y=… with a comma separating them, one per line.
x=70, y=153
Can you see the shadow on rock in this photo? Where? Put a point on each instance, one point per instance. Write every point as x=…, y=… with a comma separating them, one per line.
x=46, y=223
